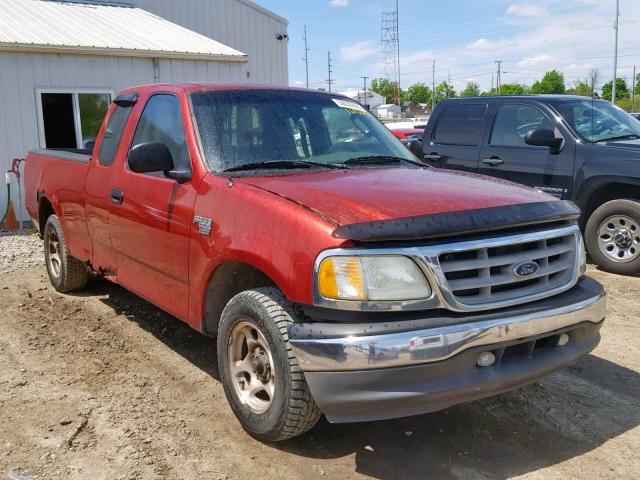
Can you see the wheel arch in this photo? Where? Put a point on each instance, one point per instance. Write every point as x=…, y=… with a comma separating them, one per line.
x=225, y=281
x=600, y=190
x=45, y=210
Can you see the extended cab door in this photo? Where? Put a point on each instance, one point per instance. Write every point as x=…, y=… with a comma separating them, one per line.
x=152, y=214
x=506, y=155
x=99, y=183
x=455, y=139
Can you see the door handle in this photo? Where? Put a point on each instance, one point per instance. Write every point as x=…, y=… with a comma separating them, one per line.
x=433, y=156
x=117, y=196
x=493, y=161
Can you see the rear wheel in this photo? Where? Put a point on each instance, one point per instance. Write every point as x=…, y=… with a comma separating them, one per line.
x=66, y=273
x=612, y=236
x=261, y=377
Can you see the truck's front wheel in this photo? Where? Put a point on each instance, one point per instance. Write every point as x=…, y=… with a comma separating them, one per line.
x=66, y=273
x=261, y=377
x=612, y=236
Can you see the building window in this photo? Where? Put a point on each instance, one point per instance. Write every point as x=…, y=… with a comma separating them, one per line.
x=71, y=119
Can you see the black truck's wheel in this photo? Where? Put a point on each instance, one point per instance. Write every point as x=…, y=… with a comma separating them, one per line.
x=261, y=377
x=66, y=273
x=612, y=236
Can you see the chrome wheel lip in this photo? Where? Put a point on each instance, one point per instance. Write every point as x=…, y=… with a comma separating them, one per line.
x=619, y=238
x=54, y=260
x=250, y=389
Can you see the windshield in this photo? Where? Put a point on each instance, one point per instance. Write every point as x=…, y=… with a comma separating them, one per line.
x=250, y=127
x=598, y=120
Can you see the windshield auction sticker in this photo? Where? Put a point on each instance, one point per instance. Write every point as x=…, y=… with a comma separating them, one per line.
x=348, y=105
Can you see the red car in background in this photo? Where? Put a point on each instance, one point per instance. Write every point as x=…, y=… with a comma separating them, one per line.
x=408, y=133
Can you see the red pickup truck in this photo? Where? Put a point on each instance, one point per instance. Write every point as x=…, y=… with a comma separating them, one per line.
x=340, y=275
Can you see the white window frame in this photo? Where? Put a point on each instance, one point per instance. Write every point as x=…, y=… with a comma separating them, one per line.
x=76, y=108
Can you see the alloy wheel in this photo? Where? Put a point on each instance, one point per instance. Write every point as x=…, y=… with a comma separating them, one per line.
x=251, y=367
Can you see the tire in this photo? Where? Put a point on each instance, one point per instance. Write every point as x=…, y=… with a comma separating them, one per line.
x=264, y=315
x=66, y=273
x=612, y=236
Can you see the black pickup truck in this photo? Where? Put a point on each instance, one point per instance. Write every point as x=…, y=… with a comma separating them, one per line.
x=574, y=148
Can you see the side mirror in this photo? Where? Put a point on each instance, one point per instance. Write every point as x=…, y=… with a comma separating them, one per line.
x=415, y=147
x=150, y=157
x=543, y=137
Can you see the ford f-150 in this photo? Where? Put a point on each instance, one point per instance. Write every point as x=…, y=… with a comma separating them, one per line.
x=340, y=275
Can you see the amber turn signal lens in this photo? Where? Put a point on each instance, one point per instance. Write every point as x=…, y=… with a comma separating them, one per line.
x=341, y=278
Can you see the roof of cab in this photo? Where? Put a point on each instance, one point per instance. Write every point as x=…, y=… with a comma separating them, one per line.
x=201, y=87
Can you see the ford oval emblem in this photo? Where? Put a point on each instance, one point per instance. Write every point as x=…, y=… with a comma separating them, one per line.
x=525, y=269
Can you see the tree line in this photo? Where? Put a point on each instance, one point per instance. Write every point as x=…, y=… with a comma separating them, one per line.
x=553, y=82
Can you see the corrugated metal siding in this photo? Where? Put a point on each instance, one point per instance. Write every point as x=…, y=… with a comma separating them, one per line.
x=22, y=73
x=231, y=22
x=37, y=25
x=236, y=24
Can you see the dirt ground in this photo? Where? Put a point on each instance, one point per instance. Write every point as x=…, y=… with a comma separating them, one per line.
x=101, y=385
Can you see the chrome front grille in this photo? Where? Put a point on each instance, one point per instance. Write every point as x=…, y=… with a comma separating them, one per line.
x=480, y=274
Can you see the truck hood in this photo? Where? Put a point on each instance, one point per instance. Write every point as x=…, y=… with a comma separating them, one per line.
x=366, y=194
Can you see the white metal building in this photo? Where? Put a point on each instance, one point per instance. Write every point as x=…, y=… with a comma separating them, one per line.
x=372, y=99
x=62, y=61
x=388, y=110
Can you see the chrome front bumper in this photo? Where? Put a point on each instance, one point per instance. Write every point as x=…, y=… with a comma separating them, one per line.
x=424, y=346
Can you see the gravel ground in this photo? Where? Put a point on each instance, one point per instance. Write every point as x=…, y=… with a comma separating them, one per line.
x=100, y=385
x=19, y=251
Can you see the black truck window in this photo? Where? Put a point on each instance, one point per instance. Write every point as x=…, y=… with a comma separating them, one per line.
x=461, y=124
x=112, y=133
x=514, y=121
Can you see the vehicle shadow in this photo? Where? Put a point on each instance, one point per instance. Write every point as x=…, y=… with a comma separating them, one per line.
x=566, y=415
x=198, y=349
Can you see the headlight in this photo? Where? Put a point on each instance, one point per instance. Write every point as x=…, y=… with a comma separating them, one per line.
x=380, y=277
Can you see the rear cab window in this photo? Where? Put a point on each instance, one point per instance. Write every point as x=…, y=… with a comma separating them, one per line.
x=112, y=134
x=461, y=124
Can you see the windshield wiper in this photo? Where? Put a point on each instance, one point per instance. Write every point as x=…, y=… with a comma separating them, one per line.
x=631, y=136
x=380, y=160
x=276, y=164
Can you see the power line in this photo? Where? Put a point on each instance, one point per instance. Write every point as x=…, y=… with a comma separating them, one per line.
x=440, y=26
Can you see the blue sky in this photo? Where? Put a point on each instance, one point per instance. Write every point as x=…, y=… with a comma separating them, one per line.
x=465, y=37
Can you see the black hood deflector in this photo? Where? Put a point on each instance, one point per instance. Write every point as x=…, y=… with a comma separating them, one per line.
x=481, y=220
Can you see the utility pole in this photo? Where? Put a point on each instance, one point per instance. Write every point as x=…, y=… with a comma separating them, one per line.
x=491, y=83
x=329, y=81
x=366, y=104
x=448, y=81
x=398, y=49
x=433, y=87
x=306, y=55
x=615, y=54
x=633, y=90
x=499, y=77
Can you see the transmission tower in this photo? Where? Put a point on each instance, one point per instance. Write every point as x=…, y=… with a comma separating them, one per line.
x=391, y=45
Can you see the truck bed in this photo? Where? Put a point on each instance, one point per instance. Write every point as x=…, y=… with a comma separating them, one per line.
x=60, y=176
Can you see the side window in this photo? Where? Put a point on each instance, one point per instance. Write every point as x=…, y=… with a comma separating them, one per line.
x=461, y=124
x=161, y=122
x=112, y=135
x=514, y=122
